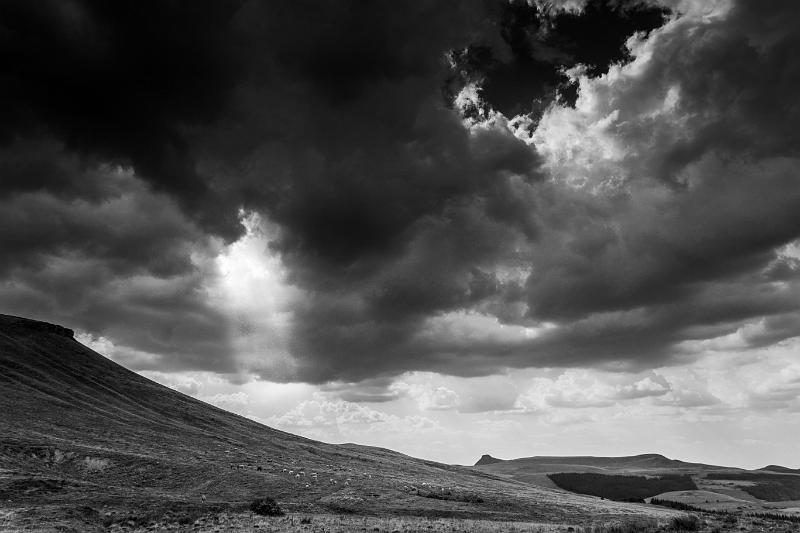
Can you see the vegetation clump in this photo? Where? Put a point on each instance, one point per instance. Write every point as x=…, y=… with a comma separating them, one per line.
x=266, y=507
x=676, y=505
x=466, y=497
x=686, y=523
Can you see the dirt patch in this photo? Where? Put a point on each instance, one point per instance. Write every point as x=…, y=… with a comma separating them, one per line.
x=27, y=487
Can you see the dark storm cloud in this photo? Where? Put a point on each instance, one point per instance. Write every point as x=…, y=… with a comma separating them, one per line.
x=121, y=81
x=328, y=118
x=133, y=133
x=523, y=69
x=685, y=249
x=116, y=262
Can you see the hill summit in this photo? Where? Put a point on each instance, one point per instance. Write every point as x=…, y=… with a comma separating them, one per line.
x=487, y=459
x=781, y=469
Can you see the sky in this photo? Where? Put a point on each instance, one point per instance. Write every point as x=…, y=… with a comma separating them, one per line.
x=444, y=227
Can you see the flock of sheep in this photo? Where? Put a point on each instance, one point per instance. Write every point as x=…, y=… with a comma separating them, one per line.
x=310, y=477
x=346, y=477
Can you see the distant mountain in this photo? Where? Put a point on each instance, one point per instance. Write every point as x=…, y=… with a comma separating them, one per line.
x=77, y=427
x=487, y=460
x=540, y=464
x=781, y=469
x=653, y=475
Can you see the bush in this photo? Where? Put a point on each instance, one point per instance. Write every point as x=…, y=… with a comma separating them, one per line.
x=686, y=523
x=266, y=507
x=633, y=526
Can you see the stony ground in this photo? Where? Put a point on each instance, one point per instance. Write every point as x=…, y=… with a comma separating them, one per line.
x=89, y=520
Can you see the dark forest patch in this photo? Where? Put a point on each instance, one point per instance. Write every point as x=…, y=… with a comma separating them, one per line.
x=621, y=488
x=768, y=487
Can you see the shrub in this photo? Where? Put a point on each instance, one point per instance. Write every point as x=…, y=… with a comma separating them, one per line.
x=632, y=526
x=266, y=507
x=685, y=523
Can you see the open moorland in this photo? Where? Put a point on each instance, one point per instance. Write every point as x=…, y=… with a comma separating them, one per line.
x=83, y=440
x=86, y=445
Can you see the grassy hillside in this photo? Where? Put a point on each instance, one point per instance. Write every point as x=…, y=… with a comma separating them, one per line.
x=75, y=426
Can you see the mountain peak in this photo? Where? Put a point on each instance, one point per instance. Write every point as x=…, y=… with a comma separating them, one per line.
x=28, y=326
x=487, y=459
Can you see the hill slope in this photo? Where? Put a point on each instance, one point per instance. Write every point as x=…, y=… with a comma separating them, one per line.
x=74, y=425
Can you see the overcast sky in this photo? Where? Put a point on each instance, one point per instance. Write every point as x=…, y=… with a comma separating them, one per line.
x=444, y=227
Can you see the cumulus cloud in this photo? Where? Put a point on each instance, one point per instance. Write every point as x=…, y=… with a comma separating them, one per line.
x=428, y=397
x=580, y=389
x=340, y=420
x=338, y=194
